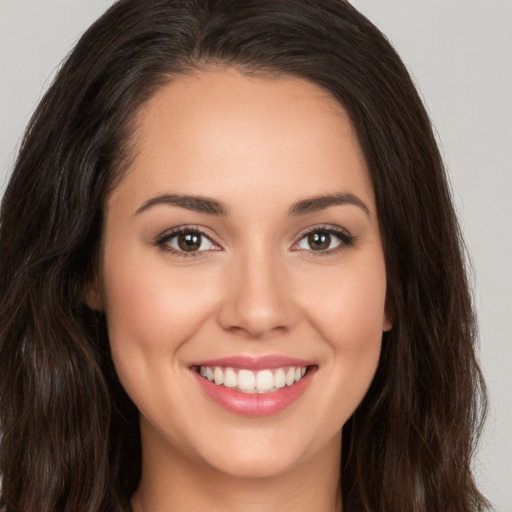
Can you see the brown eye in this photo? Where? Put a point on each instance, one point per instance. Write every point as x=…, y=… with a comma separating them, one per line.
x=189, y=241
x=325, y=240
x=319, y=241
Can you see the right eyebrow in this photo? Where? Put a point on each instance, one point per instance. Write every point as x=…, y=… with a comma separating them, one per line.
x=195, y=203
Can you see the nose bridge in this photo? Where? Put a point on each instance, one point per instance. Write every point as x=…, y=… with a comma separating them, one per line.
x=257, y=299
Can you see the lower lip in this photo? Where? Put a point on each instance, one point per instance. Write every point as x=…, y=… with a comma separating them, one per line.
x=256, y=404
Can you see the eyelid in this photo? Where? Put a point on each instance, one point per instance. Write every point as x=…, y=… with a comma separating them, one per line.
x=345, y=237
x=163, y=239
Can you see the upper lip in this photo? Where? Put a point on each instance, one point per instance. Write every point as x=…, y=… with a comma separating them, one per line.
x=254, y=362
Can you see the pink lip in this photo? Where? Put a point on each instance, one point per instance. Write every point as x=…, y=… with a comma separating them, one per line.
x=255, y=404
x=254, y=363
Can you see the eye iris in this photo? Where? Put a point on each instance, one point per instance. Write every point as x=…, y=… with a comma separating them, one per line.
x=319, y=240
x=189, y=241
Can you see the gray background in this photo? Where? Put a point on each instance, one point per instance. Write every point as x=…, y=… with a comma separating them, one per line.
x=460, y=54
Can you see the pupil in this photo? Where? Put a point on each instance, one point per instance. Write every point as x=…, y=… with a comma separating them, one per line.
x=189, y=241
x=319, y=241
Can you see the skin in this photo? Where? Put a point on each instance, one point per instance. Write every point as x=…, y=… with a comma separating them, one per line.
x=258, y=146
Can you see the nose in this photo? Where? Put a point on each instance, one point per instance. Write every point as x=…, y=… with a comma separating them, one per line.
x=258, y=297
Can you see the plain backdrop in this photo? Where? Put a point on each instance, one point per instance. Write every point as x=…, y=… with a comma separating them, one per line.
x=460, y=55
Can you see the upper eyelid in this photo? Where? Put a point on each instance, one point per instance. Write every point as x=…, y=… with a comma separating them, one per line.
x=172, y=232
x=323, y=227
x=346, y=239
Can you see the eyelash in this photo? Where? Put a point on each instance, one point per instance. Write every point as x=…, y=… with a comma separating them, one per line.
x=346, y=240
x=164, y=239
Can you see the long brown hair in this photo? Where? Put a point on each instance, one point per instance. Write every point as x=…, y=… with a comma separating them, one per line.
x=69, y=433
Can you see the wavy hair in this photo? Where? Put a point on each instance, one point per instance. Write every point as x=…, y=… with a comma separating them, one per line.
x=70, y=438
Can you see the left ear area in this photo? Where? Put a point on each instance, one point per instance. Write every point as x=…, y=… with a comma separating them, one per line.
x=93, y=297
x=389, y=315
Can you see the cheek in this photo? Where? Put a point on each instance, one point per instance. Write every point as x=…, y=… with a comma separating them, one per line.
x=347, y=305
x=354, y=333
x=151, y=312
x=347, y=309
x=152, y=305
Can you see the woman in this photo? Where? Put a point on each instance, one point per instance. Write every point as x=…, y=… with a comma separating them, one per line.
x=231, y=274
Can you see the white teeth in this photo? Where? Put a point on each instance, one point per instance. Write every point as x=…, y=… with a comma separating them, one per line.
x=218, y=375
x=247, y=381
x=279, y=378
x=290, y=377
x=230, y=378
x=264, y=380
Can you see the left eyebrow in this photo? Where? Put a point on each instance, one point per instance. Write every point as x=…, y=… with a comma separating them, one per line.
x=316, y=204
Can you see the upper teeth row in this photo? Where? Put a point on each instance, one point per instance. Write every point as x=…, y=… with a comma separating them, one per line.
x=248, y=381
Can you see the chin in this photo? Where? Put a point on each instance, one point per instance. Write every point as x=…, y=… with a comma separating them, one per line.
x=252, y=465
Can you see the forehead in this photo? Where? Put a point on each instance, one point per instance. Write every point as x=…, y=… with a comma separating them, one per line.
x=217, y=133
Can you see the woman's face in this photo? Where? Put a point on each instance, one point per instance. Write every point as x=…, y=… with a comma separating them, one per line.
x=241, y=250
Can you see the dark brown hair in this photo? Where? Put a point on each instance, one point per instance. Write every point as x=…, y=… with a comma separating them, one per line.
x=70, y=439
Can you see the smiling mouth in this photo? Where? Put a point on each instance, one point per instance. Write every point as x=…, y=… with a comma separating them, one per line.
x=248, y=381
